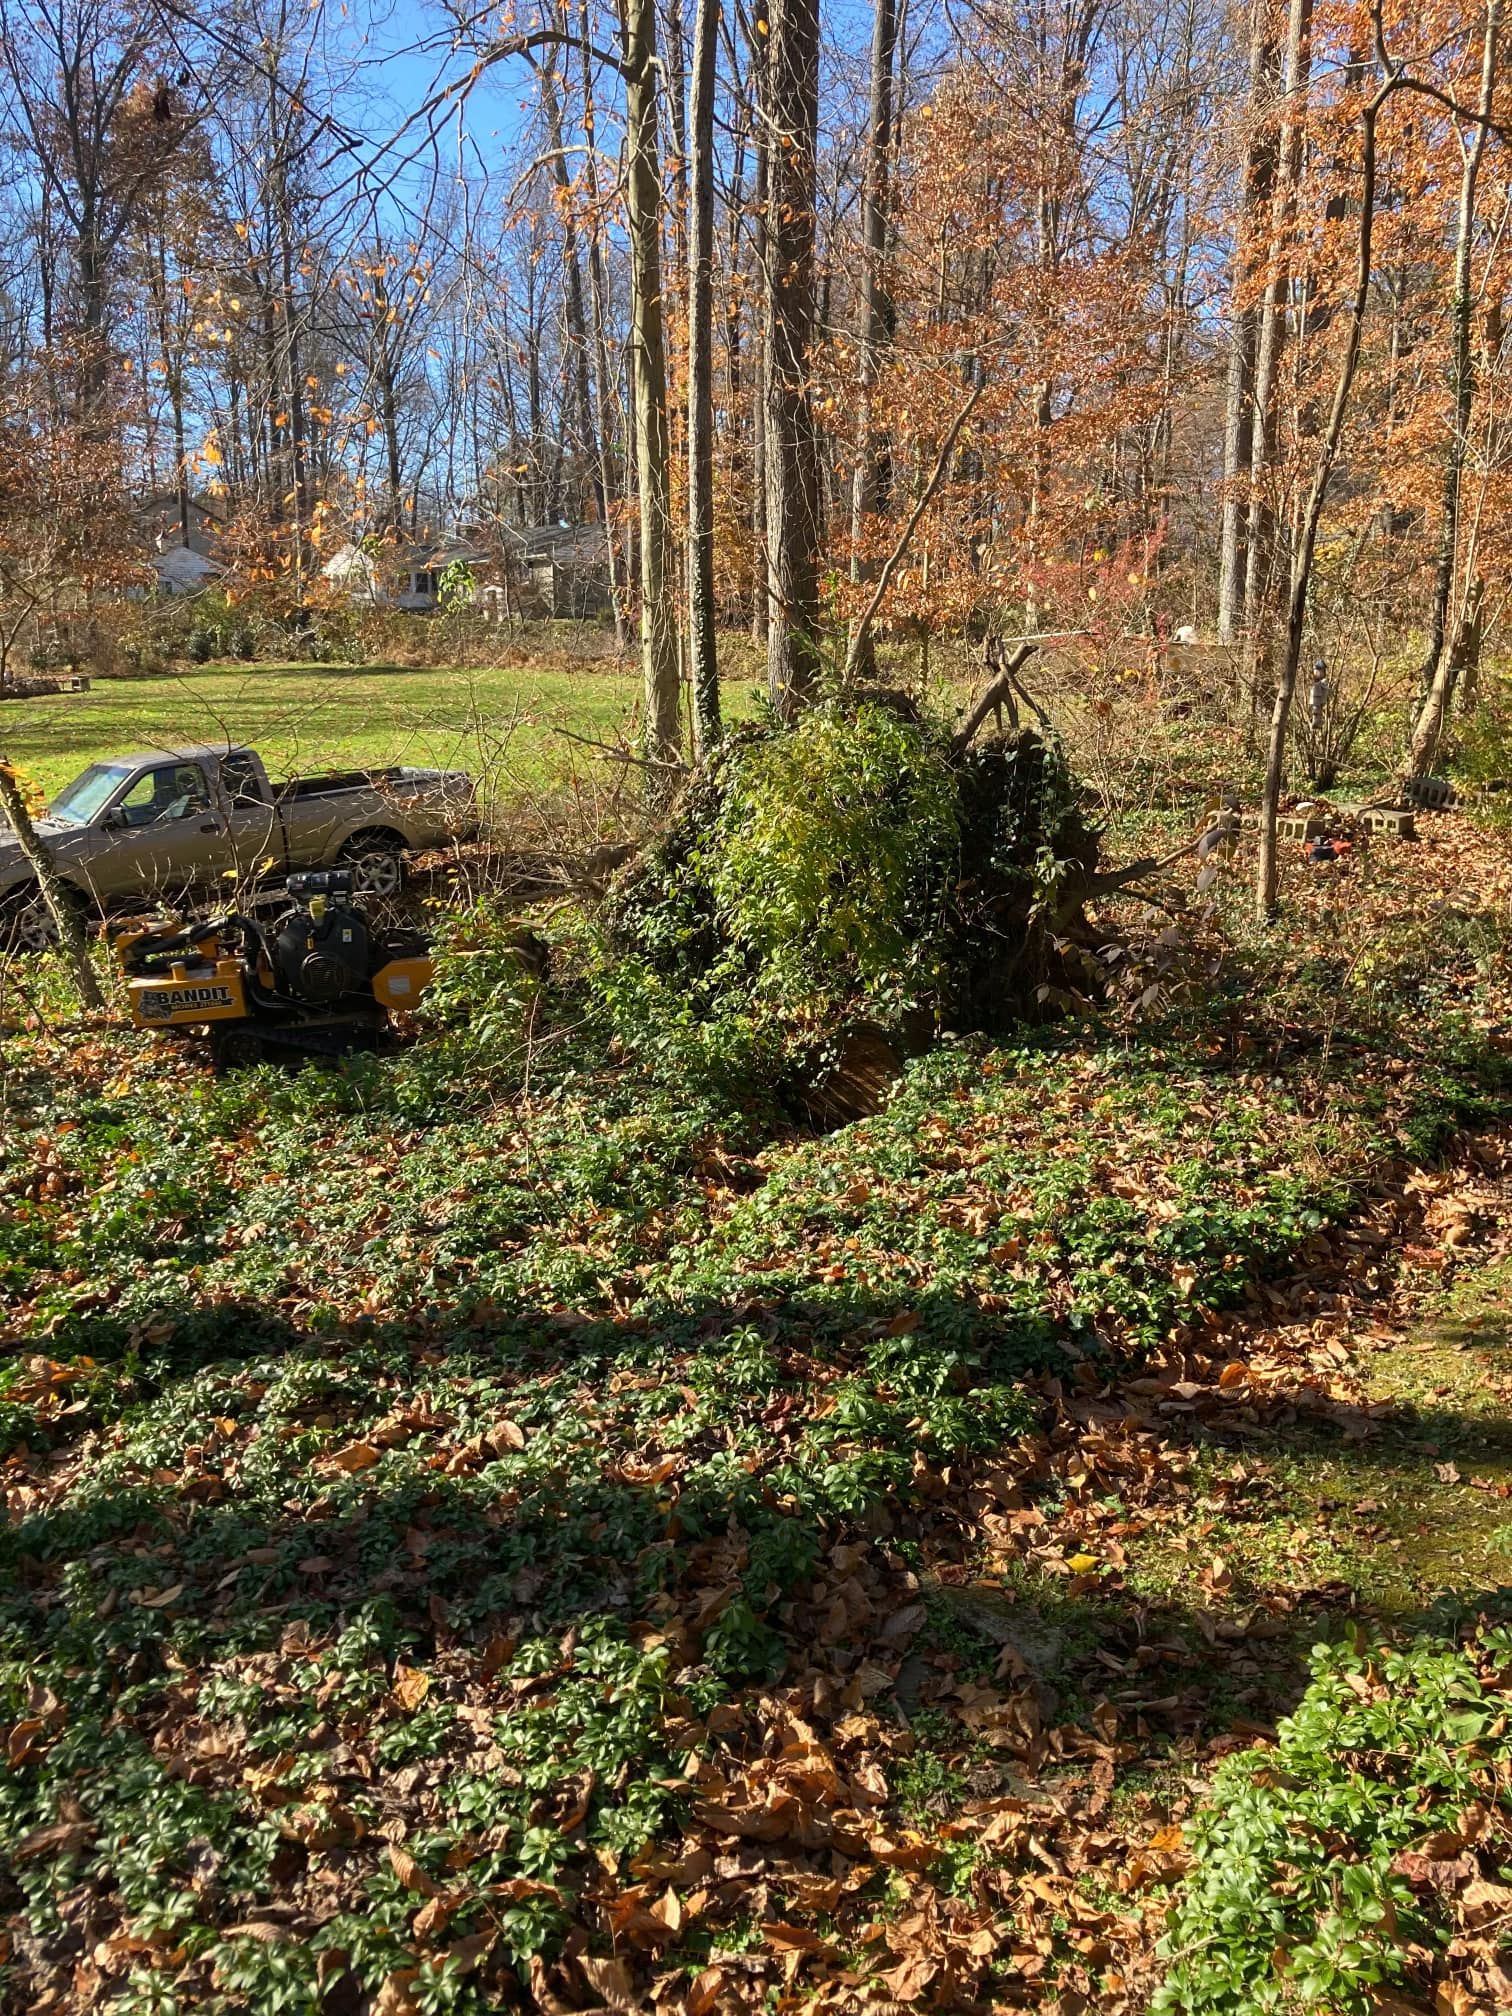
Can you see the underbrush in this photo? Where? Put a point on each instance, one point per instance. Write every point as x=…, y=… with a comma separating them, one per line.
x=1340, y=1864
x=374, y=1462
x=862, y=868
x=1479, y=753
x=389, y=1458
x=420, y=1468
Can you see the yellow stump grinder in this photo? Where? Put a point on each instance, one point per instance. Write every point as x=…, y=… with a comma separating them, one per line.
x=317, y=980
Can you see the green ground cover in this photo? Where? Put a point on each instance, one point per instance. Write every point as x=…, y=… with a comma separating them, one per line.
x=527, y=1519
x=413, y=1489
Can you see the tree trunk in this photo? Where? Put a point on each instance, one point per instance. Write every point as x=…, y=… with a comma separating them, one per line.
x=1267, y=874
x=762, y=206
x=652, y=455
x=1445, y=654
x=64, y=912
x=877, y=317
x=573, y=295
x=388, y=394
x=597, y=296
x=1260, y=557
x=1239, y=409
x=1471, y=634
x=870, y=479
x=791, y=447
x=704, y=654
x=294, y=387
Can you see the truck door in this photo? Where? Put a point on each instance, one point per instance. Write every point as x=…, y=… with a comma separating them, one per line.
x=165, y=835
x=253, y=827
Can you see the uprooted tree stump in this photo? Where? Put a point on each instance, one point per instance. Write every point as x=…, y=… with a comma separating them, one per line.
x=867, y=881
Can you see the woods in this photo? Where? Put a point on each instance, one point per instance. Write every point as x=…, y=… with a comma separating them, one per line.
x=739, y=343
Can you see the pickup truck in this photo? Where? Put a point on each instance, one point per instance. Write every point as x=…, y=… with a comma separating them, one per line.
x=150, y=828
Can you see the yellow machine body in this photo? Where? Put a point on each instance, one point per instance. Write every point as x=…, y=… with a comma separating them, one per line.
x=189, y=995
x=400, y=984
x=213, y=983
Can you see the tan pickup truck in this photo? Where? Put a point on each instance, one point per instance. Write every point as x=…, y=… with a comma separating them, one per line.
x=152, y=828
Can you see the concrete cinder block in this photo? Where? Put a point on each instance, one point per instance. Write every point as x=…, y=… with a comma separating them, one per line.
x=1433, y=794
x=1393, y=820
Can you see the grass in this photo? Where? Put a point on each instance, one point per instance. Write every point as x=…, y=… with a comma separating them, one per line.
x=500, y=722
x=1413, y=1512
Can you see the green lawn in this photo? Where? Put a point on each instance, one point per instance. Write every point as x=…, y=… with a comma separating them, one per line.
x=501, y=723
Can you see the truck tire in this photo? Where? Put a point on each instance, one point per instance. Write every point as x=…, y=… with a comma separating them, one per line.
x=376, y=860
x=27, y=925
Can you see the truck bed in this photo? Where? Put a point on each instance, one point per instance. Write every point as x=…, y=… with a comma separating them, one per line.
x=328, y=784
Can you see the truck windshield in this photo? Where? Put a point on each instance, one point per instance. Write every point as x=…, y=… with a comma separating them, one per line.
x=77, y=803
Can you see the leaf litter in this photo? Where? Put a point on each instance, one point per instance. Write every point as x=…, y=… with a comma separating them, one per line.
x=721, y=1590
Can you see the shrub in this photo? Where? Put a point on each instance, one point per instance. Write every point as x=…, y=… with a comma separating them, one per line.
x=141, y=658
x=832, y=854
x=480, y=1009
x=1319, y=1865
x=199, y=645
x=1480, y=750
x=855, y=862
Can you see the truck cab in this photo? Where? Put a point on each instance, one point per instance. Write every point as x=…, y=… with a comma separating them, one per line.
x=161, y=822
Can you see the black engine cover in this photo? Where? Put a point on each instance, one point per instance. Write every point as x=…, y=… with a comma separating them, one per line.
x=322, y=960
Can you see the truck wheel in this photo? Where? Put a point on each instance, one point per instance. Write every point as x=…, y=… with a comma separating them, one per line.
x=376, y=863
x=28, y=926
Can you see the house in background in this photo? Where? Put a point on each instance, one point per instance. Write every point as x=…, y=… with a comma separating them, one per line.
x=561, y=570
x=181, y=537
x=182, y=571
x=547, y=570
x=354, y=572
x=425, y=565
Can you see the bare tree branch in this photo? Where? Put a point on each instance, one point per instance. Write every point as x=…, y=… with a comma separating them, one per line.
x=862, y=630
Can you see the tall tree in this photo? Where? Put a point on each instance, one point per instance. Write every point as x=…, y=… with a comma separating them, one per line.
x=573, y=296
x=761, y=209
x=869, y=483
x=1260, y=570
x=100, y=128
x=65, y=522
x=1372, y=85
x=701, y=611
x=1445, y=645
x=598, y=293
x=1256, y=188
x=658, y=573
x=792, y=463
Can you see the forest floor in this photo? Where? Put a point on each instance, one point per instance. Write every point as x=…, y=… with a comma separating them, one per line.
x=558, y=1534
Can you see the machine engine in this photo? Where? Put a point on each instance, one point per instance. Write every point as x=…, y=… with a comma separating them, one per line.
x=323, y=949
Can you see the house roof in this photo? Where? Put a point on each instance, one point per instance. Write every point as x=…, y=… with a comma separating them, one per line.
x=441, y=550
x=182, y=566
x=450, y=550
x=565, y=545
